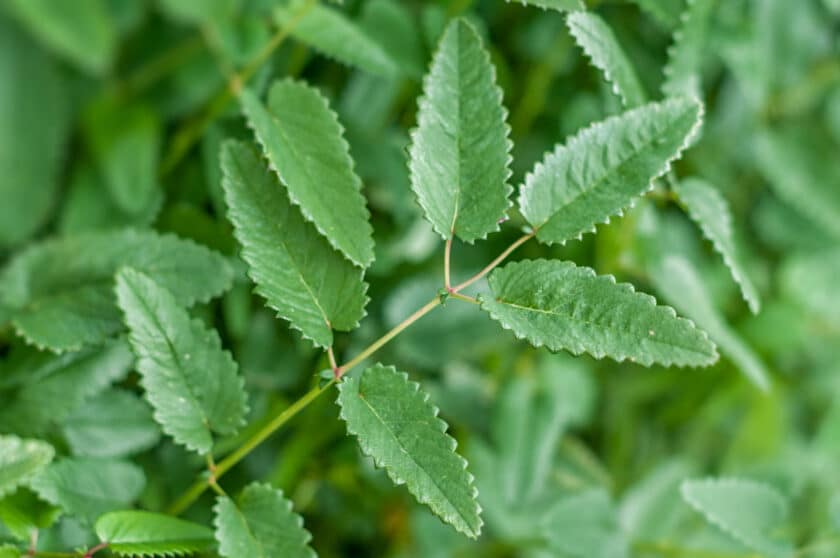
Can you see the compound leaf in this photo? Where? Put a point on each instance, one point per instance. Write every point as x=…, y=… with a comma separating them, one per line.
x=708, y=208
x=304, y=143
x=140, y=533
x=261, y=524
x=682, y=73
x=562, y=306
x=61, y=290
x=600, y=171
x=744, y=509
x=190, y=381
x=460, y=151
x=296, y=270
x=598, y=41
x=334, y=35
x=20, y=459
x=398, y=427
x=87, y=488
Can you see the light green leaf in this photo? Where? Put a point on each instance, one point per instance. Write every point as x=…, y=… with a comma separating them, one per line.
x=261, y=524
x=460, y=152
x=23, y=513
x=189, y=379
x=392, y=24
x=666, y=12
x=585, y=525
x=559, y=5
x=600, y=171
x=398, y=427
x=113, y=424
x=10, y=551
x=562, y=306
x=29, y=162
x=58, y=384
x=331, y=33
x=86, y=488
x=20, y=459
x=598, y=41
x=746, y=510
x=304, y=143
x=813, y=280
x=708, y=208
x=200, y=11
x=296, y=270
x=83, y=32
x=140, y=533
x=61, y=290
x=685, y=57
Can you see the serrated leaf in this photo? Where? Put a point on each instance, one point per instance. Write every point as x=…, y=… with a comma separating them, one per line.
x=189, y=379
x=559, y=5
x=330, y=32
x=57, y=384
x=562, y=306
x=296, y=270
x=708, y=208
x=305, y=146
x=598, y=41
x=460, y=151
x=813, y=280
x=744, y=509
x=61, y=290
x=87, y=488
x=601, y=170
x=20, y=459
x=261, y=524
x=140, y=533
x=398, y=427
x=83, y=32
x=585, y=525
x=685, y=57
x=113, y=424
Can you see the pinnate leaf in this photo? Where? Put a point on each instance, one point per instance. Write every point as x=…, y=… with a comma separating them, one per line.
x=20, y=459
x=598, y=41
x=140, y=533
x=460, y=151
x=600, y=171
x=744, y=509
x=562, y=306
x=190, y=381
x=261, y=524
x=708, y=208
x=87, y=488
x=398, y=427
x=304, y=143
x=301, y=276
x=61, y=290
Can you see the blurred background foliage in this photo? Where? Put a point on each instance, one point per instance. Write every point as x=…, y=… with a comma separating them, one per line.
x=112, y=113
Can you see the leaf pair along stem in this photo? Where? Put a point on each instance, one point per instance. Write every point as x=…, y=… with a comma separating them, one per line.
x=214, y=473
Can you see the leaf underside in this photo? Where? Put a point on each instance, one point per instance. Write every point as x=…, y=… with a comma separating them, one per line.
x=565, y=307
x=600, y=171
x=460, y=152
x=140, y=533
x=398, y=427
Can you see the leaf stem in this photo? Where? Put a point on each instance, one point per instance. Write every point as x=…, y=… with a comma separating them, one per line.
x=446, y=257
x=492, y=265
x=465, y=298
x=95, y=549
x=198, y=488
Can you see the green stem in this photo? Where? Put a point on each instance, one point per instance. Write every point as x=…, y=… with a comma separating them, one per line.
x=465, y=298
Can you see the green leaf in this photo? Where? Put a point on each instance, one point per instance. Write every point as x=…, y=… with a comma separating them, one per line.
x=140, y=533
x=20, y=459
x=598, y=41
x=59, y=384
x=83, y=32
x=331, y=33
x=113, y=424
x=29, y=162
x=189, y=379
x=296, y=270
x=200, y=11
x=261, y=524
x=708, y=208
x=392, y=24
x=666, y=12
x=304, y=143
x=685, y=57
x=86, y=488
x=562, y=306
x=812, y=281
x=61, y=290
x=10, y=551
x=23, y=513
x=398, y=427
x=746, y=510
x=559, y=5
x=600, y=171
x=460, y=151
x=585, y=525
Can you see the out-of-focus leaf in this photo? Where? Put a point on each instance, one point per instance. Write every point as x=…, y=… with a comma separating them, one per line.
x=585, y=525
x=813, y=280
x=23, y=514
x=199, y=11
x=685, y=57
x=20, y=459
x=666, y=12
x=559, y=5
x=392, y=25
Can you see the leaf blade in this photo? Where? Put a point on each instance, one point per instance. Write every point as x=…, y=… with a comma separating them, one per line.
x=141, y=533
x=20, y=459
